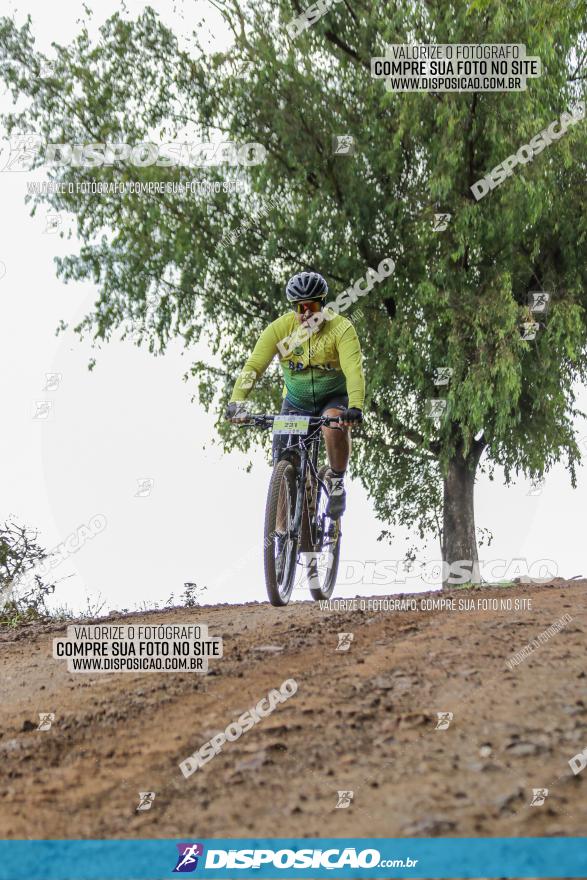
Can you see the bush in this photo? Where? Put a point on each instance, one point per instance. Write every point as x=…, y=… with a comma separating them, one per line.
x=23, y=594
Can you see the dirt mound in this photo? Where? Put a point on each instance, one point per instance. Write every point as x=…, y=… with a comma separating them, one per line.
x=359, y=750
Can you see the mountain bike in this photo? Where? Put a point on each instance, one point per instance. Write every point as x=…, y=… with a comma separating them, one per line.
x=297, y=527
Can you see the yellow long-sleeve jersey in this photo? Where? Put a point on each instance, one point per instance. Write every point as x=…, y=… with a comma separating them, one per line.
x=326, y=364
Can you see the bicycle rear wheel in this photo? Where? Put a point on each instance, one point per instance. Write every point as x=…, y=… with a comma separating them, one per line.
x=322, y=568
x=280, y=549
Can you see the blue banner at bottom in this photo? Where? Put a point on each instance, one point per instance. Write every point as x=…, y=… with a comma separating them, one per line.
x=298, y=857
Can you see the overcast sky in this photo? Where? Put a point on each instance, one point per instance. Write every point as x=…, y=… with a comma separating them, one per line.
x=129, y=427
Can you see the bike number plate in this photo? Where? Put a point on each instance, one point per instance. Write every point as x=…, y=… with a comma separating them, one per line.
x=291, y=424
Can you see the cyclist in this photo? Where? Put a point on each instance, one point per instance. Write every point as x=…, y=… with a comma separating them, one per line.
x=323, y=374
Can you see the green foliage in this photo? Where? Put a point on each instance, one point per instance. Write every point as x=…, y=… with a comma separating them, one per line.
x=23, y=593
x=190, y=598
x=457, y=298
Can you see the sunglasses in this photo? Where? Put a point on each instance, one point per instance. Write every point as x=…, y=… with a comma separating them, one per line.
x=310, y=306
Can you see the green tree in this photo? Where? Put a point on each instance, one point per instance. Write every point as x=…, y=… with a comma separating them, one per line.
x=215, y=267
x=23, y=591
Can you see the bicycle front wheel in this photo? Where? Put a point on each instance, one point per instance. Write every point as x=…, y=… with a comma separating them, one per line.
x=280, y=548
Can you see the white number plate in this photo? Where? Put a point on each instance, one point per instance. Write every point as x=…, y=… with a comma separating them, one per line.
x=291, y=424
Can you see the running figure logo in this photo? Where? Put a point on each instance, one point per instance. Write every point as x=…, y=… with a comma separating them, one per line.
x=538, y=301
x=146, y=799
x=441, y=222
x=444, y=719
x=187, y=860
x=344, y=641
x=46, y=719
x=345, y=799
x=343, y=145
x=539, y=795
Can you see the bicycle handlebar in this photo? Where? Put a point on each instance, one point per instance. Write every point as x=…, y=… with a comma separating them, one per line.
x=265, y=420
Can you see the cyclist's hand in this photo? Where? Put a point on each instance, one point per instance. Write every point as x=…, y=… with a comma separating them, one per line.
x=351, y=417
x=236, y=412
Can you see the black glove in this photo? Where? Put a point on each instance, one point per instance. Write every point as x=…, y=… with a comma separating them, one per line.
x=352, y=415
x=233, y=409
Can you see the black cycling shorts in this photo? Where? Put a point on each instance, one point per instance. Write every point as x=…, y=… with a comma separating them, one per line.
x=280, y=441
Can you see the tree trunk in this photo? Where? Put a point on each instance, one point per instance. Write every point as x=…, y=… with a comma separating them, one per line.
x=459, y=540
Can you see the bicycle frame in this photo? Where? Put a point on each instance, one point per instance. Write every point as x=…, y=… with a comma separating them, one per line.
x=307, y=449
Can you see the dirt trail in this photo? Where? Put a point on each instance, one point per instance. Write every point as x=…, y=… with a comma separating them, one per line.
x=362, y=721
